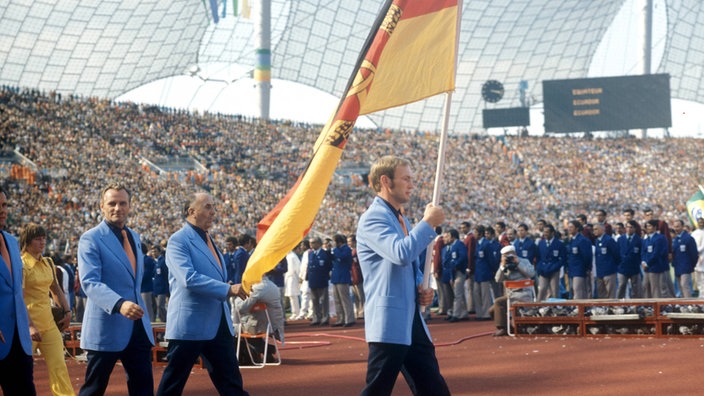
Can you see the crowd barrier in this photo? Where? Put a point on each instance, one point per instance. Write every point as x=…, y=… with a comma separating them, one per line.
x=612, y=318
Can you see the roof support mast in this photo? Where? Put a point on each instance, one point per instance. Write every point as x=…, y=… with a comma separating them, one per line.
x=646, y=49
x=262, y=67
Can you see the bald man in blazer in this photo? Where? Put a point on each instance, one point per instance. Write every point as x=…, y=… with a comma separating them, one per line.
x=199, y=316
x=114, y=323
x=16, y=366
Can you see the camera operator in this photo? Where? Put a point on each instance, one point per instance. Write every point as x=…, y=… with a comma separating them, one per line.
x=512, y=268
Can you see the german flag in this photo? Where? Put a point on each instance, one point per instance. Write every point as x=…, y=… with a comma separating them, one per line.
x=410, y=54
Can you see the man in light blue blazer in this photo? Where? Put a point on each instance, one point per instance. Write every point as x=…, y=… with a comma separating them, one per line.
x=388, y=251
x=114, y=324
x=16, y=366
x=199, y=317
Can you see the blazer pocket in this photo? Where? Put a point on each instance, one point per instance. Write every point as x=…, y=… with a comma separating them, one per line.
x=391, y=302
x=192, y=321
x=393, y=315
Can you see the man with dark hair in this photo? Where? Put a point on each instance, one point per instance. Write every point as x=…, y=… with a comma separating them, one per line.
x=601, y=219
x=539, y=225
x=470, y=241
x=585, y=227
x=388, y=251
x=663, y=228
x=16, y=365
x=454, y=262
x=653, y=259
x=161, y=283
x=629, y=266
x=341, y=278
x=579, y=261
x=357, y=278
x=619, y=229
x=684, y=258
x=488, y=259
x=552, y=256
x=245, y=244
x=666, y=283
x=114, y=324
x=628, y=215
x=501, y=237
x=231, y=245
x=236, y=260
x=199, y=316
x=524, y=245
x=606, y=257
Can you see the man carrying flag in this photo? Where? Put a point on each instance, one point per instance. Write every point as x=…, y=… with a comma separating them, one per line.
x=409, y=55
x=388, y=251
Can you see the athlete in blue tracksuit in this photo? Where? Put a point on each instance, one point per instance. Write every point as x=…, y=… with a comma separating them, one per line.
x=579, y=261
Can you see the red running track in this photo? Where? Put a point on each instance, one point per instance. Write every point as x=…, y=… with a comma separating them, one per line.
x=332, y=361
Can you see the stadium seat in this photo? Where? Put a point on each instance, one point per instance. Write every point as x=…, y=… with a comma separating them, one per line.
x=258, y=360
x=516, y=285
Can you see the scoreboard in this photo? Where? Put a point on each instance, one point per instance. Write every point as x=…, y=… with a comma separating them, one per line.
x=607, y=103
x=513, y=116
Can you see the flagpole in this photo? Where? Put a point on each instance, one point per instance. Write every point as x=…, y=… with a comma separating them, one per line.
x=438, y=184
x=428, y=268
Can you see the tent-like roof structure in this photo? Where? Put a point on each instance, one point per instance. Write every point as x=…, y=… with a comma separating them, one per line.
x=109, y=47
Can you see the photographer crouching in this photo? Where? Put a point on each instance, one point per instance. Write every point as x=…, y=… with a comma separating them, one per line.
x=512, y=268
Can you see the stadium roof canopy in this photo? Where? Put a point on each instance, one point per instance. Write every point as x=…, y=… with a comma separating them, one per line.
x=106, y=48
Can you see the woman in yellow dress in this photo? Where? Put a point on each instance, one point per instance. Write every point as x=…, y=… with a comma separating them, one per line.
x=38, y=280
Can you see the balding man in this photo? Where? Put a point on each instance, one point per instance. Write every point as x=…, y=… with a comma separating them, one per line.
x=199, y=317
x=318, y=277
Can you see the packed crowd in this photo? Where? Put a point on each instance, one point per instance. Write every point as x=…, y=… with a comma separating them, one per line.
x=248, y=166
x=57, y=152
